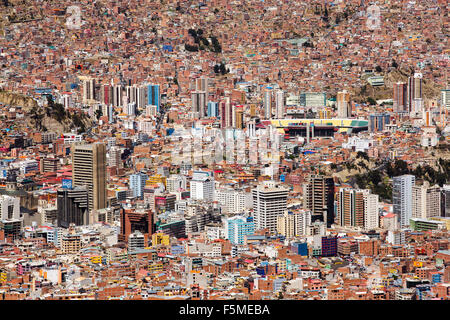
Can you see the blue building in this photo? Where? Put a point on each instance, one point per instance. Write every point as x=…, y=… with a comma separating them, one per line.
x=329, y=246
x=300, y=248
x=177, y=249
x=436, y=277
x=137, y=184
x=213, y=109
x=421, y=289
x=238, y=227
x=154, y=96
x=378, y=121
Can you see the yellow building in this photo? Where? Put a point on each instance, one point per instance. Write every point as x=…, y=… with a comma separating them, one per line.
x=155, y=267
x=160, y=238
x=96, y=259
x=3, y=277
x=157, y=178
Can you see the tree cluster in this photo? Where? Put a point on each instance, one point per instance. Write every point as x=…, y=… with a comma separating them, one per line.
x=220, y=68
x=202, y=42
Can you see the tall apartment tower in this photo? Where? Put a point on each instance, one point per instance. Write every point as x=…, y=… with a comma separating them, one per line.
x=402, y=198
x=318, y=196
x=136, y=94
x=293, y=224
x=114, y=159
x=445, y=98
x=202, y=84
x=213, y=109
x=357, y=208
x=415, y=101
x=137, y=184
x=106, y=94
x=89, y=169
x=199, y=103
x=344, y=107
x=400, y=97
x=350, y=208
x=267, y=103
x=88, y=90
x=279, y=104
x=426, y=201
x=269, y=202
x=117, y=96
x=154, y=96
x=226, y=113
x=445, y=200
x=238, y=119
x=371, y=216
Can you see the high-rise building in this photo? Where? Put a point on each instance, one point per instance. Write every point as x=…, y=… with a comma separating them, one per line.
x=117, y=96
x=293, y=224
x=154, y=96
x=202, y=84
x=445, y=200
x=88, y=90
x=199, y=103
x=226, y=113
x=402, y=198
x=400, y=97
x=371, y=215
x=72, y=207
x=269, y=201
x=114, y=157
x=445, y=98
x=280, y=102
x=357, y=208
x=237, y=227
x=137, y=184
x=106, y=95
x=137, y=95
x=238, y=117
x=213, y=109
x=131, y=221
x=89, y=169
x=10, y=220
x=350, y=208
x=426, y=201
x=267, y=103
x=318, y=196
x=378, y=121
x=415, y=101
x=344, y=107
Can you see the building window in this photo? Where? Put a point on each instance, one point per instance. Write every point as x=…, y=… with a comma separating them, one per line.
x=10, y=211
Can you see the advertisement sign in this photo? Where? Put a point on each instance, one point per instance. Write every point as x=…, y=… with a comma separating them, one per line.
x=67, y=183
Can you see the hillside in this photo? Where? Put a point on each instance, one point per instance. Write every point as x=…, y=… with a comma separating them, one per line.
x=430, y=90
x=16, y=100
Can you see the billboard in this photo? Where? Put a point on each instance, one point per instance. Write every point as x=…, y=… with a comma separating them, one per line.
x=67, y=183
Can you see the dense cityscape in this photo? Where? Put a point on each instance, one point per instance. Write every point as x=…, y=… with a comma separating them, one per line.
x=224, y=150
